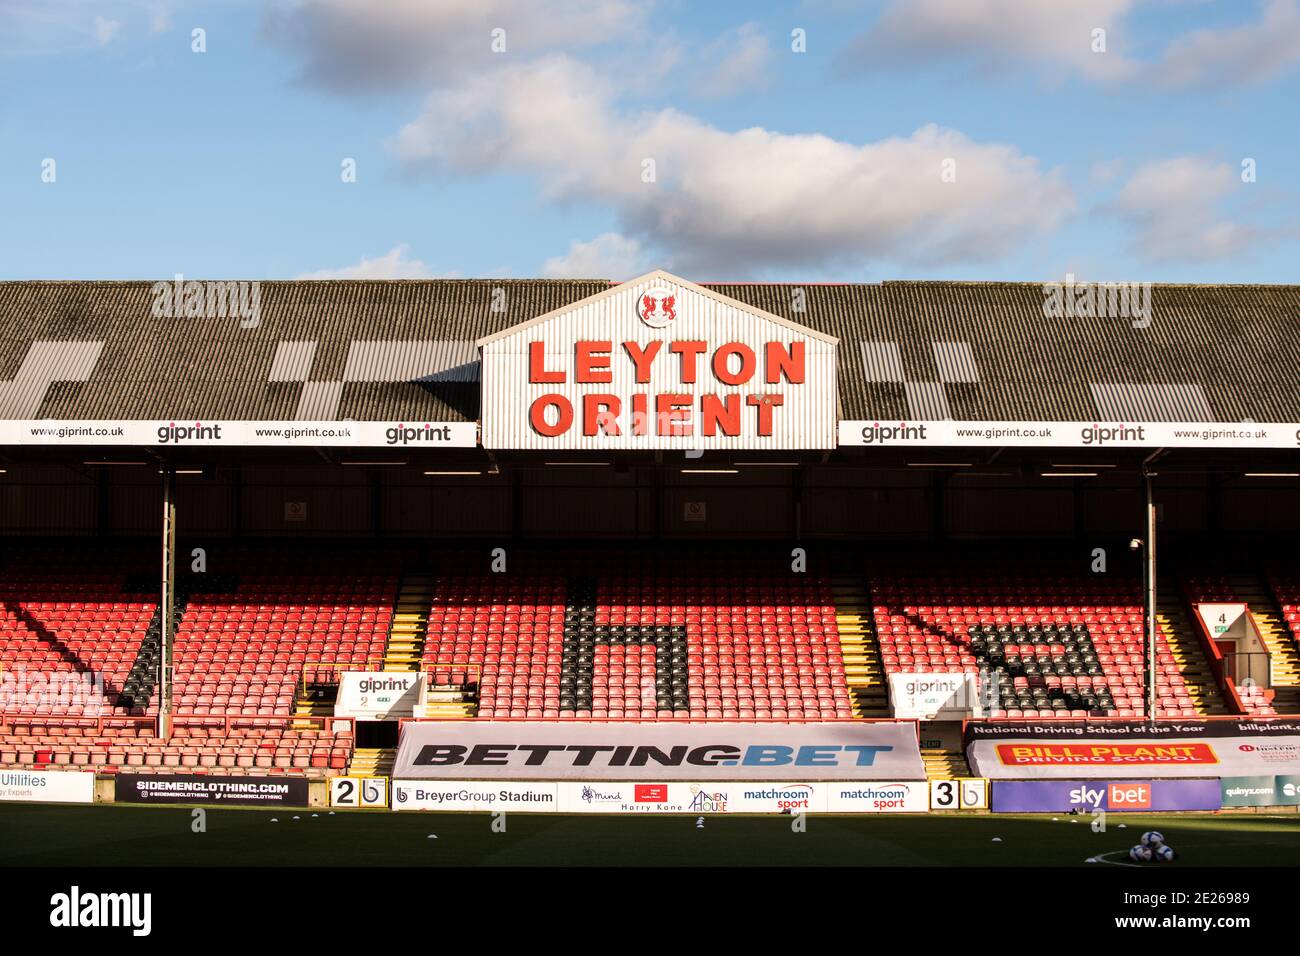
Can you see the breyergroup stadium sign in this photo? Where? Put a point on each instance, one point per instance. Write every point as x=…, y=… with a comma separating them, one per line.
x=199, y=788
x=563, y=750
x=1074, y=749
x=627, y=797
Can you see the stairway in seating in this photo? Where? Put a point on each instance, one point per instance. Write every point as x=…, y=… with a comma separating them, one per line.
x=1177, y=627
x=372, y=762
x=863, y=669
x=313, y=700
x=410, y=624
x=1284, y=654
x=944, y=764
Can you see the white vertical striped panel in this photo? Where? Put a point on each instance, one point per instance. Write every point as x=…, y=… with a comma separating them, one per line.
x=807, y=420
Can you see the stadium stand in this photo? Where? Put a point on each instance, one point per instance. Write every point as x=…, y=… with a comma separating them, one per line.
x=622, y=636
x=1056, y=644
x=1272, y=604
x=288, y=621
x=246, y=648
x=65, y=619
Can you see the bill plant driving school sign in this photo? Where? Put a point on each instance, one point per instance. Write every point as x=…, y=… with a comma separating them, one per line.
x=658, y=363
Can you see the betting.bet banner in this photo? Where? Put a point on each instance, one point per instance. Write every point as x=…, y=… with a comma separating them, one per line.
x=1073, y=749
x=951, y=434
x=561, y=750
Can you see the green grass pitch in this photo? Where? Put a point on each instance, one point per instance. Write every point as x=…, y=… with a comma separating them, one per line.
x=46, y=835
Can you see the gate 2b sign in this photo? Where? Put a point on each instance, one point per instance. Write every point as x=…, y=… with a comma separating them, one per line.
x=358, y=792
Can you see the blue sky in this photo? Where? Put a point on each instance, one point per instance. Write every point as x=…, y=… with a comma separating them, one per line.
x=963, y=139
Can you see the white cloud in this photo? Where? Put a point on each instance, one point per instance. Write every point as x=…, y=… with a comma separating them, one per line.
x=53, y=27
x=1057, y=36
x=361, y=45
x=989, y=34
x=742, y=63
x=393, y=264
x=1173, y=205
x=608, y=256
x=105, y=30
x=739, y=201
x=1254, y=52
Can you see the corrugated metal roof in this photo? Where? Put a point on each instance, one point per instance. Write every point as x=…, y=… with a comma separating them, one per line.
x=1238, y=344
x=1151, y=403
x=927, y=401
x=292, y=362
x=44, y=364
x=955, y=362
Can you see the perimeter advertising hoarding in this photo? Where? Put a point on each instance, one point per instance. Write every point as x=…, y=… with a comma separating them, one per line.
x=1131, y=748
x=929, y=696
x=46, y=786
x=379, y=695
x=627, y=797
x=1122, y=796
x=199, y=788
x=983, y=434
x=229, y=433
x=1265, y=791
x=564, y=750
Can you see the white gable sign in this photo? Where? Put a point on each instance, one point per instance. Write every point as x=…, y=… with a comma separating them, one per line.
x=659, y=363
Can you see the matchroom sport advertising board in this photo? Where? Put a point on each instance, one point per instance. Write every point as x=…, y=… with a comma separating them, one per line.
x=626, y=797
x=1110, y=749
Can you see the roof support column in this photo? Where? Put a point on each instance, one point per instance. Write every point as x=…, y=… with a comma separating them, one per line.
x=1149, y=580
x=167, y=616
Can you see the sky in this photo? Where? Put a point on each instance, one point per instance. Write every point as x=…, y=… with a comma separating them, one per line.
x=813, y=141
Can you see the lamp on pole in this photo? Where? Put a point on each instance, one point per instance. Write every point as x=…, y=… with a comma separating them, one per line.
x=1147, y=545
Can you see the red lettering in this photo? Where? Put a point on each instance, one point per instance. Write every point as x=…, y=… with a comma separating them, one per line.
x=600, y=412
x=640, y=414
x=783, y=364
x=537, y=415
x=593, y=363
x=690, y=353
x=673, y=413
x=765, y=404
x=719, y=411
x=642, y=358
x=724, y=373
x=537, y=365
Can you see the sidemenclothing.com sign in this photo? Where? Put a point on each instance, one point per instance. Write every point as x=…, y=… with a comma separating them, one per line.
x=1074, y=749
x=196, y=788
x=560, y=750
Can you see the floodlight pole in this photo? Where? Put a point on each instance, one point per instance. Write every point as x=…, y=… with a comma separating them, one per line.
x=168, y=605
x=1149, y=579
